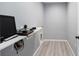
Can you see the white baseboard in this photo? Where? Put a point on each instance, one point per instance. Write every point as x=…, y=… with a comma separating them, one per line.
x=71, y=48
x=54, y=40
x=38, y=48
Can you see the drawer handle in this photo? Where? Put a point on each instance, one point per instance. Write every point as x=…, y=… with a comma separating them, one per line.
x=77, y=37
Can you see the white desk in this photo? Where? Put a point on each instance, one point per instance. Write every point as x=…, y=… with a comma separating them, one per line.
x=12, y=41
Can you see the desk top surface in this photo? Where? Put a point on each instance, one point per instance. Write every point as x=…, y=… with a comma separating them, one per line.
x=12, y=41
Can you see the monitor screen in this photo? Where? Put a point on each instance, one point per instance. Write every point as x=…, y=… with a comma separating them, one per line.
x=7, y=26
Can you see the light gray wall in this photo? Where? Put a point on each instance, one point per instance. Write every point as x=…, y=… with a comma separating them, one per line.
x=30, y=13
x=55, y=19
x=78, y=28
x=72, y=25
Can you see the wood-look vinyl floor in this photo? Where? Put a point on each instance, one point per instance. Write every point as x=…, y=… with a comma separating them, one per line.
x=54, y=48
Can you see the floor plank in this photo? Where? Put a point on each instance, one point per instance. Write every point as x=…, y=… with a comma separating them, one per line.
x=54, y=48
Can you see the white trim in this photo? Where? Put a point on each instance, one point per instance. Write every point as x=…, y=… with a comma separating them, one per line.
x=54, y=40
x=38, y=48
x=71, y=48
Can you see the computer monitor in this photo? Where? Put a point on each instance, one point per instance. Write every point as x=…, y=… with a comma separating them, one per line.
x=7, y=27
